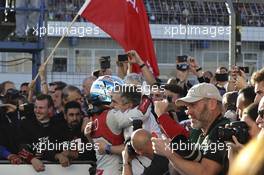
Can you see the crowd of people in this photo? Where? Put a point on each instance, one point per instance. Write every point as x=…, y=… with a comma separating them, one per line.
x=202, y=13
x=159, y=12
x=136, y=124
x=26, y=16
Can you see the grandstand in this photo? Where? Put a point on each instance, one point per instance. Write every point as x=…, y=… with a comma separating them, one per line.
x=77, y=56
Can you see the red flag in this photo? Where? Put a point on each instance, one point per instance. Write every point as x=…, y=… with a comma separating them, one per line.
x=126, y=22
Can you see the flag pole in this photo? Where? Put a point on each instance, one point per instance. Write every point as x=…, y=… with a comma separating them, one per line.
x=58, y=43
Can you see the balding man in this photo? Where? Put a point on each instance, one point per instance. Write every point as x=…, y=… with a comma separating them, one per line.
x=7, y=85
x=87, y=83
x=141, y=142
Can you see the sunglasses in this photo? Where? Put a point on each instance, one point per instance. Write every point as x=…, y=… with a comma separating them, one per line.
x=261, y=113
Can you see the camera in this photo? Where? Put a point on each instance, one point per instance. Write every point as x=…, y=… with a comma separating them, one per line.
x=169, y=99
x=11, y=97
x=15, y=98
x=182, y=59
x=182, y=66
x=221, y=77
x=190, y=151
x=122, y=58
x=244, y=69
x=239, y=129
x=96, y=73
x=136, y=124
x=181, y=63
x=105, y=62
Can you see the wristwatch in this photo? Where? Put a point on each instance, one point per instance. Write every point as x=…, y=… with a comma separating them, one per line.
x=198, y=69
x=142, y=65
x=108, y=149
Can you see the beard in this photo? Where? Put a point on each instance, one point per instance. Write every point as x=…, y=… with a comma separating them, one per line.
x=196, y=124
x=201, y=120
x=74, y=125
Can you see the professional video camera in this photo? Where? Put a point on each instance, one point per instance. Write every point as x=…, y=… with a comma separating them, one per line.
x=137, y=124
x=239, y=129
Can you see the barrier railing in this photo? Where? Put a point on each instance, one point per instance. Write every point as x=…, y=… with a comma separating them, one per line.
x=51, y=168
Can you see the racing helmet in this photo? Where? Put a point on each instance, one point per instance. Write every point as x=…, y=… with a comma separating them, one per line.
x=101, y=89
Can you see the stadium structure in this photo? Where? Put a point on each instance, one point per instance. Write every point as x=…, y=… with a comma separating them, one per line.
x=204, y=29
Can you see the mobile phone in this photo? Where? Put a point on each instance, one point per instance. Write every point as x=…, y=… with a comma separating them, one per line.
x=182, y=58
x=96, y=73
x=123, y=57
x=221, y=77
x=105, y=62
x=244, y=69
x=169, y=99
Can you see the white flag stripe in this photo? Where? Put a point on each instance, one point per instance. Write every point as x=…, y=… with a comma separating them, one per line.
x=87, y=2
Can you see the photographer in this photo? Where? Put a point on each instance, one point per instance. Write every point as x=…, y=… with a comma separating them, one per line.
x=204, y=104
x=229, y=104
x=7, y=85
x=174, y=92
x=184, y=66
x=105, y=65
x=221, y=78
x=249, y=116
x=208, y=77
x=14, y=109
x=125, y=62
x=141, y=142
x=7, y=140
x=245, y=97
x=238, y=79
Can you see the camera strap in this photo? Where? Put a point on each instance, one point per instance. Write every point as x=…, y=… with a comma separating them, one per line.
x=141, y=163
x=8, y=118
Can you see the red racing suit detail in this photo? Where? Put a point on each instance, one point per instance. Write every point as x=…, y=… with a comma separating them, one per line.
x=170, y=127
x=100, y=129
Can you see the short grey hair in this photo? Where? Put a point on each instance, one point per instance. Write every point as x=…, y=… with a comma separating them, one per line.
x=69, y=88
x=90, y=77
x=133, y=77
